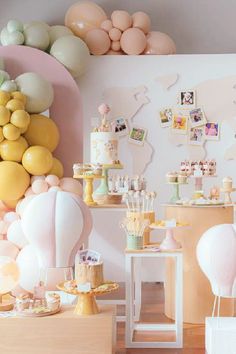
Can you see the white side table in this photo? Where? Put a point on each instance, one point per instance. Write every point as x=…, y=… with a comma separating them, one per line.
x=132, y=288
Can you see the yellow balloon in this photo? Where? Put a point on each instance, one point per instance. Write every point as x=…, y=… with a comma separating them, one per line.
x=37, y=160
x=1, y=135
x=14, y=104
x=42, y=131
x=5, y=115
x=23, y=130
x=14, y=180
x=11, y=203
x=11, y=132
x=13, y=150
x=19, y=96
x=57, y=168
x=20, y=118
x=4, y=97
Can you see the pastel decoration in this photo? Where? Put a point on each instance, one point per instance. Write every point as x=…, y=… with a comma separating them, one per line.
x=216, y=254
x=20, y=59
x=29, y=268
x=115, y=46
x=19, y=96
x=8, y=38
x=14, y=180
x=9, y=85
x=8, y=249
x=71, y=52
x=4, y=76
x=133, y=41
x=15, y=25
x=145, y=154
x=121, y=20
x=39, y=186
x=106, y=25
x=23, y=203
x=10, y=217
x=42, y=24
x=9, y=274
x=57, y=168
x=15, y=104
x=11, y=132
x=54, y=189
x=38, y=90
x=5, y=115
x=2, y=229
x=37, y=160
x=58, y=31
x=11, y=204
x=112, y=52
x=115, y=34
x=97, y=41
x=15, y=234
x=36, y=36
x=52, y=180
x=63, y=214
x=83, y=16
x=29, y=192
x=20, y=118
x=71, y=185
x=1, y=135
x=159, y=43
x=142, y=21
x=42, y=131
x=36, y=178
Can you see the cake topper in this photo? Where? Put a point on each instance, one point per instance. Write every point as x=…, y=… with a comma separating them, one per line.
x=105, y=126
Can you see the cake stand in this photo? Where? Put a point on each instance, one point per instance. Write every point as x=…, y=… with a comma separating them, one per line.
x=5, y=304
x=227, y=192
x=88, y=190
x=169, y=242
x=86, y=304
x=103, y=188
x=175, y=195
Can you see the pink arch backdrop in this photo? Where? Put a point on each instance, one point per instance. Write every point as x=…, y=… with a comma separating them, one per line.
x=66, y=109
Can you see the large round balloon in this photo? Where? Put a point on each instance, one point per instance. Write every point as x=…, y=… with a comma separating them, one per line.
x=84, y=16
x=29, y=268
x=8, y=249
x=42, y=131
x=15, y=234
x=121, y=20
x=13, y=150
x=57, y=168
x=58, y=31
x=133, y=41
x=159, y=43
x=36, y=36
x=72, y=52
x=69, y=184
x=14, y=180
x=142, y=21
x=38, y=90
x=216, y=254
x=37, y=160
x=98, y=41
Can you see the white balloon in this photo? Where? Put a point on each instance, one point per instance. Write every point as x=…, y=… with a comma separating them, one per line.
x=9, y=85
x=38, y=90
x=36, y=36
x=16, y=235
x=4, y=76
x=29, y=268
x=15, y=38
x=73, y=53
x=38, y=23
x=3, y=36
x=58, y=31
x=14, y=25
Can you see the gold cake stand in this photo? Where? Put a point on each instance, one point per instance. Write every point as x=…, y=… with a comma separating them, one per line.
x=88, y=190
x=86, y=304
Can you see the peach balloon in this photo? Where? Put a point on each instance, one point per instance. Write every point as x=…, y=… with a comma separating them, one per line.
x=112, y=52
x=97, y=41
x=35, y=178
x=39, y=186
x=121, y=19
x=29, y=192
x=69, y=184
x=29, y=268
x=84, y=16
x=115, y=34
x=16, y=235
x=23, y=203
x=133, y=41
x=115, y=45
x=8, y=249
x=142, y=21
x=159, y=43
x=106, y=25
x=52, y=180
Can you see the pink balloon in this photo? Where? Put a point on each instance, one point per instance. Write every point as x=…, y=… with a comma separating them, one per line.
x=52, y=180
x=39, y=186
x=8, y=249
x=97, y=41
x=29, y=268
x=69, y=184
x=121, y=20
x=159, y=43
x=36, y=178
x=23, y=203
x=115, y=34
x=133, y=41
x=115, y=45
x=216, y=254
x=106, y=25
x=29, y=192
x=16, y=235
x=142, y=21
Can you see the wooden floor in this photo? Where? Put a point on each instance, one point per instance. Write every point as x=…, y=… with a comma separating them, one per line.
x=153, y=311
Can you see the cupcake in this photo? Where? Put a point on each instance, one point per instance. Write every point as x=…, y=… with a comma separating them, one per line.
x=172, y=177
x=22, y=302
x=182, y=178
x=227, y=183
x=53, y=301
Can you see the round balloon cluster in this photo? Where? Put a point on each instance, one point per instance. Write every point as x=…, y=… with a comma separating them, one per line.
x=122, y=34
x=58, y=40
x=6, y=84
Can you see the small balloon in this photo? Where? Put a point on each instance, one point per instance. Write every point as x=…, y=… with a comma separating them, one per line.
x=106, y=25
x=142, y=21
x=115, y=34
x=133, y=41
x=97, y=41
x=159, y=43
x=121, y=20
x=15, y=25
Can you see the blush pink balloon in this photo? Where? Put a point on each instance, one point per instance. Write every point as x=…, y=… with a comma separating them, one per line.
x=142, y=21
x=216, y=254
x=16, y=235
x=106, y=25
x=29, y=192
x=159, y=43
x=71, y=185
x=52, y=180
x=8, y=249
x=39, y=186
x=36, y=178
x=133, y=41
x=121, y=20
x=115, y=45
x=29, y=268
x=98, y=41
x=112, y=52
x=23, y=203
x=115, y=34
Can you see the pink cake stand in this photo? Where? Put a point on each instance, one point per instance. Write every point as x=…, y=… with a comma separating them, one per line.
x=169, y=242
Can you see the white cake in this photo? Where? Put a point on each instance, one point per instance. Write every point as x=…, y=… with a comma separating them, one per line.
x=103, y=148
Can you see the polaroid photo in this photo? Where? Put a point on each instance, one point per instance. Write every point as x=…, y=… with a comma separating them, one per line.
x=166, y=116
x=187, y=99
x=196, y=136
x=197, y=117
x=93, y=256
x=180, y=123
x=120, y=126
x=212, y=131
x=137, y=135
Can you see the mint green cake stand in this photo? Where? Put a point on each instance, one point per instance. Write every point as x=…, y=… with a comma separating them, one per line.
x=103, y=187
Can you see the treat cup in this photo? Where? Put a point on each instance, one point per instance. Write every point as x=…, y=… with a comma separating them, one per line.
x=134, y=242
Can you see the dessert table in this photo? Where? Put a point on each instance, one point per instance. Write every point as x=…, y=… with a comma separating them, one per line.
x=198, y=297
